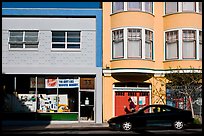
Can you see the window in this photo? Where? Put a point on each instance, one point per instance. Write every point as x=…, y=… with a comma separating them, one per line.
x=148, y=7
x=200, y=7
x=135, y=6
x=200, y=44
x=172, y=45
x=132, y=6
x=188, y=6
x=171, y=7
x=134, y=44
x=118, y=48
x=148, y=44
x=118, y=6
x=66, y=40
x=189, y=44
x=23, y=39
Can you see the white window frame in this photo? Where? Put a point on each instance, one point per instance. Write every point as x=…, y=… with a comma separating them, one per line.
x=126, y=8
x=24, y=42
x=123, y=44
x=178, y=47
x=180, y=8
x=66, y=42
x=180, y=44
x=125, y=30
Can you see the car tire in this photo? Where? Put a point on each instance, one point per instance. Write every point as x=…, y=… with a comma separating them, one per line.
x=178, y=124
x=127, y=126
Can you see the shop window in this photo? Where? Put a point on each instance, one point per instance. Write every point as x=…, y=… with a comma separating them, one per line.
x=118, y=44
x=23, y=39
x=189, y=44
x=172, y=45
x=66, y=40
x=134, y=43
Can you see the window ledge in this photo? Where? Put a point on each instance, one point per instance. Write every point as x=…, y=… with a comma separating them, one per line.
x=182, y=60
x=23, y=49
x=66, y=50
x=132, y=59
x=184, y=12
x=132, y=11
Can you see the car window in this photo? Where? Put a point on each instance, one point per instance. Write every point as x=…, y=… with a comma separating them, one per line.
x=164, y=109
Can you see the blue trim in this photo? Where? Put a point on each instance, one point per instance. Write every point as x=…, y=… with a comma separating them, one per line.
x=65, y=12
x=51, y=5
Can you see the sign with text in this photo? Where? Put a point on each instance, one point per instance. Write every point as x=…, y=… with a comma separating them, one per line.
x=62, y=83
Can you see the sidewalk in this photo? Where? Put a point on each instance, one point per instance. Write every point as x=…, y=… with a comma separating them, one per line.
x=50, y=125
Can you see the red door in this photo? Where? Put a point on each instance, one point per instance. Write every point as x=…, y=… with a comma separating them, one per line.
x=141, y=99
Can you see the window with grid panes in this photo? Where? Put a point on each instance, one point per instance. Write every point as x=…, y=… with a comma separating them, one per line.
x=148, y=7
x=134, y=43
x=171, y=7
x=118, y=44
x=188, y=6
x=19, y=39
x=148, y=44
x=172, y=45
x=66, y=40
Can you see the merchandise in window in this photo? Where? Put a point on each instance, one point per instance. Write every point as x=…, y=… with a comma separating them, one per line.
x=200, y=44
x=148, y=44
x=189, y=44
x=135, y=6
x=118, y=44
x=134, y=44
x=117, y=6
x=66, y=40
x=171, y=7
x=23, y=39
x=172, y=45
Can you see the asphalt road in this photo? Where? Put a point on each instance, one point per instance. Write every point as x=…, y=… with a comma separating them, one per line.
x=105, y=131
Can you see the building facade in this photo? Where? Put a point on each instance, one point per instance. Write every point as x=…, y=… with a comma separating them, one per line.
x=52, y=62
x=141, y=42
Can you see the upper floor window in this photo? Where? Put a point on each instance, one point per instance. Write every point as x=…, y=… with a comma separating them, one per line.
x=148, y=7
x=132, y=6
x=174, y=7
x=66, y=40
x=20, y=39
x=117, y=6
x=200, y=44
x=183, y=44
x=188, y=6
x=135, y=6
x=118, y=44
x=171, y=7
x=189, y=44
x=148, y=44
x=134, y=43
x=200, y=7
x=172, y=45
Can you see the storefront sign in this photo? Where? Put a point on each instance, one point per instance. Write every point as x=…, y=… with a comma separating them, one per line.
x=62, y=83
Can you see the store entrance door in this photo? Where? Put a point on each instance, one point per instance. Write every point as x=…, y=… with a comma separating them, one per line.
x=86, y=106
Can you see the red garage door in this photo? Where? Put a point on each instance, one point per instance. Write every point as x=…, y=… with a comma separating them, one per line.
x=121, y=99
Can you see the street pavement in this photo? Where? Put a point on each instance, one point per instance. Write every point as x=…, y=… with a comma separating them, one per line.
x=67, y=127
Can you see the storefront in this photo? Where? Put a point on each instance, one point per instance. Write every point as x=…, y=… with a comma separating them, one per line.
x=139, y=92
x=50, y=97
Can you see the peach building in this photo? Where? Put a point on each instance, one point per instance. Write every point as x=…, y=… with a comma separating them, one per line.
x=141, y=42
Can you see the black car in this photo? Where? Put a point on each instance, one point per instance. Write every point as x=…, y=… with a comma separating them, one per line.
x=152, y=115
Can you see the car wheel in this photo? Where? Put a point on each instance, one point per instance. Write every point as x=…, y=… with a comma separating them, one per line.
x=127, y=126
x=178, y=124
